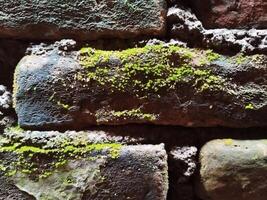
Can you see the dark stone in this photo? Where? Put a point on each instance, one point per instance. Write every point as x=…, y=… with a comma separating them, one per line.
x=86, y=20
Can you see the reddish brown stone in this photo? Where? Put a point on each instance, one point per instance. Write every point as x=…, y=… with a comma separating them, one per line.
x=232, y=13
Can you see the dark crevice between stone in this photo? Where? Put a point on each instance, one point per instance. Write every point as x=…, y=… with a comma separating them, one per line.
x=11, y=52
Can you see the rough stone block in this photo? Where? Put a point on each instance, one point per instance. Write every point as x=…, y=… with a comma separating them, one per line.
x=82, y=20
x=233, y=169
x=157, y=84
x=80, y=166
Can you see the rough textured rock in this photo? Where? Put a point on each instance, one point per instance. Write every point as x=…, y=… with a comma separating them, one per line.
x=185, y=26
x=86, y=20
x=80, y=166
x=6, y=112
x=158, y=84
x=232, y=41
x=182, y=166
x=8, y=191
x=231, y=13
x=233, y=169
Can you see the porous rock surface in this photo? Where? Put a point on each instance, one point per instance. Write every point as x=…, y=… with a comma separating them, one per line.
x=157, y=84
x=79, y=165
x=231, y=13
x=6, y=111
x=184, y=25
x=82, y=20
x=233, y=169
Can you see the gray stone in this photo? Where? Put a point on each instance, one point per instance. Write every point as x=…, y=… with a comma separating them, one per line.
x=233, y=169
x=80, y=165
x=54, y=88
x=86, y=20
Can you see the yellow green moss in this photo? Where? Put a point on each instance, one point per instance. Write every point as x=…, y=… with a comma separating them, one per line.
x=228, y=142
x=249, y=107
x=63, y=105
x=150, y=69
x=15, y=129
x=134, y=113
x=41, y=161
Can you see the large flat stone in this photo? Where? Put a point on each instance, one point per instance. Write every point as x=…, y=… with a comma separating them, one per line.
x=81, y=166
x=82, y=20
x=233, y=169
x=157, y=84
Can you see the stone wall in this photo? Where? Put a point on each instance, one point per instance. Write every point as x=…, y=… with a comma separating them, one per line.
x=133, y=100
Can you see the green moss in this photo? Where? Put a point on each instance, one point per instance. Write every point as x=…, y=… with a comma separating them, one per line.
x=211, y=56
x=41, y=161
x=148, y=70
x=228, y=142
x=249, y=107
x=239, y=59
x=134, y=113
x=65, y=106
x=16, y=129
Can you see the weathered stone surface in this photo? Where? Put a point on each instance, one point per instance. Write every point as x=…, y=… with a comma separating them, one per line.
x=182, y=166
x=8, y=191
x=158, y=84
x=80, y=166
x=86, y=20
x=233, y=169
x=231, y=41
x=185, y=26
x=231, y=14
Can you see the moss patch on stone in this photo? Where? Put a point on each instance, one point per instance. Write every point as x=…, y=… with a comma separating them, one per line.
x=39, y=161
x=150, y=69
x=132, y=114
